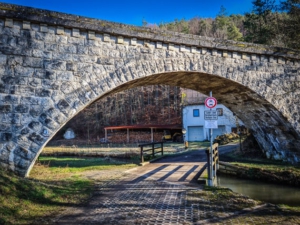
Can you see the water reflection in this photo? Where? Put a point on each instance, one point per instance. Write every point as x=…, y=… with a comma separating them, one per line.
x=273, y=193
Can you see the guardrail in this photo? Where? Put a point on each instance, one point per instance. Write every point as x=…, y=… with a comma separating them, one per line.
x=215, y=161
x=152, y=149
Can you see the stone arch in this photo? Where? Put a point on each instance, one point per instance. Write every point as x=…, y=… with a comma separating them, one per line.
x=272, y=130
x=276, y=136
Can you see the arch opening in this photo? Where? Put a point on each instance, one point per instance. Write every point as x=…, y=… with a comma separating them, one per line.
x=274, y=134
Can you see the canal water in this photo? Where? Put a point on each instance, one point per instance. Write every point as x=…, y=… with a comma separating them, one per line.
x=272, y=193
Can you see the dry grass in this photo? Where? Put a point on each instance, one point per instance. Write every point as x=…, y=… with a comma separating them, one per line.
x=54, y=183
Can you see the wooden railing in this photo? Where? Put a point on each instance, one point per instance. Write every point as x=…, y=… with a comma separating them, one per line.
x=215, y=161
x=152, y=149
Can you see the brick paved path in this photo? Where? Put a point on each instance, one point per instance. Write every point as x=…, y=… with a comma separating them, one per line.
x=157, y=194
x=153, y=194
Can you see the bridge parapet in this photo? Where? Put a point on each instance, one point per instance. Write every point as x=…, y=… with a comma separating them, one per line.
x=94, y=29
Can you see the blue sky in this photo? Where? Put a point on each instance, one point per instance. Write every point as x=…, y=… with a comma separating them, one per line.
x=134, y=11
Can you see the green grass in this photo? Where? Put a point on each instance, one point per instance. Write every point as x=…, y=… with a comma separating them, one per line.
x=255, y=166
x=276, y=167
x=256, y=160
x=74, y=164
x=169, y=147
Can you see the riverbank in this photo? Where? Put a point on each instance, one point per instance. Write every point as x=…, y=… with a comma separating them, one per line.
x=252, y=165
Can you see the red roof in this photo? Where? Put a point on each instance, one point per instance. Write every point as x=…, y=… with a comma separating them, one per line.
x=171, y=126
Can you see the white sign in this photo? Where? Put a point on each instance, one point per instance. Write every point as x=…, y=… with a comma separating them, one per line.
x=211, y=124
x=211, y=115
x=210, y=102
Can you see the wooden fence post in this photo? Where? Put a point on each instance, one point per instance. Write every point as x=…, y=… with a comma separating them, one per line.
x=153, y=150
x=142, y=155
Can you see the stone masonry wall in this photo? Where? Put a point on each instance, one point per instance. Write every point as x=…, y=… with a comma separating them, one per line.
x=53, y=65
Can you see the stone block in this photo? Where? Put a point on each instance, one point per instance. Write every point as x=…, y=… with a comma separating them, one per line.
x=3, y=59
x=35, y=125
x=5, y=108
x=289, y=62
x=71, y=66
x=67, y=48
x=33, y=62
x=60, y=30
x=35, y=147
x=263, y=58
x=171, y=47
x=272, y=59
x=43, y=92
x=224, y=54
x=21, y=108
x=5, y=125
x=214, y=52
x=91, y=35
x=194, y=49
x=244, y=56
x=26, y=25
x=10, y=99
x=106, y=38
x=9, y=22
x=52, y=30
x=133, y=41
x=182, y=48
x=6, y=137
x=54, y=65
x=36, y=138
x=235, y=55
x=41, y=54
x=147, y=45
x=75, y=32
x=159, y=45
x=44, y=28
x=64, y=75
x=120, y=40
x=253, y=57
x=281, y=60
x=30, y=101
x=24, y=71
x=203, y=51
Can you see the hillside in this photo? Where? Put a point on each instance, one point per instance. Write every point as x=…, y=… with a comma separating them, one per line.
x=158, y=104
x=269, y=22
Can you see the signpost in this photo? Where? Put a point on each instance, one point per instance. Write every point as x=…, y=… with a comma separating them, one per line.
x=211, y=122
x=211, y=102
x=210, y=115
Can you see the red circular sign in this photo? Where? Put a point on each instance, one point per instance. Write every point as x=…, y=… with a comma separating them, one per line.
x=210, y=102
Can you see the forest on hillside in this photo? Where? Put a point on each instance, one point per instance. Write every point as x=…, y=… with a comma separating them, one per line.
x=155, y=104
x=268, y=23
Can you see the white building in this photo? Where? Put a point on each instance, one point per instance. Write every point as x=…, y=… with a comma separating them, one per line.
x=194, y=123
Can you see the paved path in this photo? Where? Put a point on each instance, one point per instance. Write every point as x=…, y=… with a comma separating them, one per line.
x=158, y=193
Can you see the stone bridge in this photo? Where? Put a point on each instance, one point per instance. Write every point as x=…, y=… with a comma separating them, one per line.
x=53, y=65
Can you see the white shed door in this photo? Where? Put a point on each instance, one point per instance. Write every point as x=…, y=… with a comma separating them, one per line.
x=195, y=133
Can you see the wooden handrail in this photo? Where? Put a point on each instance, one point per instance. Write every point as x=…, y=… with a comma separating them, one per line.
x=152, y=149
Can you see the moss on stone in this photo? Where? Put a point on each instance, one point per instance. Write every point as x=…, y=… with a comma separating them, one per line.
x=8, y=9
